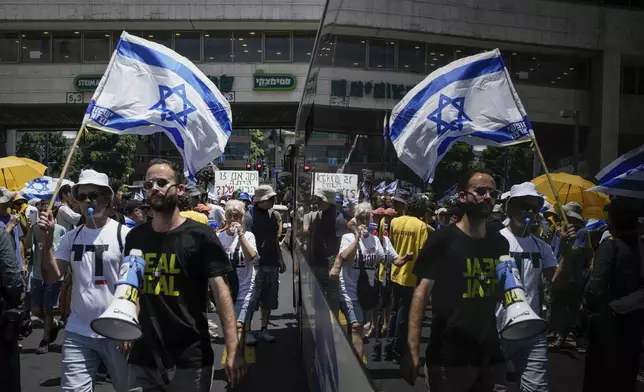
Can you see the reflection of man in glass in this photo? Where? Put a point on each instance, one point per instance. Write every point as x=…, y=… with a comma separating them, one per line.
x=324, y=244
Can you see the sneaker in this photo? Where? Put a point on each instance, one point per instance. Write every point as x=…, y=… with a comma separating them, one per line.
x=265, y=336
x=250, y=338
x=212, y=329
x=211, y=307
x=376, y=354
x=43, y=348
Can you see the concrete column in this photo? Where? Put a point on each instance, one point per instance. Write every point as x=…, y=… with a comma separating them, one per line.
x=610, y=83
x=11, y=142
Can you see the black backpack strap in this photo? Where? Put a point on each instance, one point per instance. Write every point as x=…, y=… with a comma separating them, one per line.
x=119, y=229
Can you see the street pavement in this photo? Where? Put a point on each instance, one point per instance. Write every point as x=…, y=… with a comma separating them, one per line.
x=278, y=364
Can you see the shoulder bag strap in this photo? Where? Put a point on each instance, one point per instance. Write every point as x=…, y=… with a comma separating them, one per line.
x=119, y=229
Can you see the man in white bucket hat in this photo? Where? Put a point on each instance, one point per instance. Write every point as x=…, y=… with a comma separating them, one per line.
x=93, y=251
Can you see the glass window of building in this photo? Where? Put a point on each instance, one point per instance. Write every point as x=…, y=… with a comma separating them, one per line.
x=549, y=70
x=160, y=37
x=348, y=51
x=382, y=54
x=411, y=56
x=247, y=47
x=326, y=49
x=66, y=46
x=9, y=47
x=629, y=80
x=116, y=35
x=218, y=46
x=36, y=47
x=96, y=47
x=237, y=151
x=438, y=56
x=303, y=43
x=277, y=47
x=188, y=44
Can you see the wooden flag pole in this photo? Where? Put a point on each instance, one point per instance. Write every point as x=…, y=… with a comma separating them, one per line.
x=552, y=184
x=63, y=172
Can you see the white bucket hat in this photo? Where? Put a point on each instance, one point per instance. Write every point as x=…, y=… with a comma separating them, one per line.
x=327, y=195
x=526, y=189
x=263, y=193
x=92, y=177
x=6, y=195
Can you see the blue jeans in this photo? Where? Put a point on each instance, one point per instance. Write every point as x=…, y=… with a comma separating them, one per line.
x=530, y=360
x=82, y=356
x=398, y=320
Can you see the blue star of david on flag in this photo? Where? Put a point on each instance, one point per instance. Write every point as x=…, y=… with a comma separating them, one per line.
x=456, y=124
x=167, y=114
x=38, y=185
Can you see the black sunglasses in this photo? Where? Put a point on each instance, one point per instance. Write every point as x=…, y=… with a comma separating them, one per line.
x=483, y=190
x=161, y=183
x=529, y=207
x=92, y=196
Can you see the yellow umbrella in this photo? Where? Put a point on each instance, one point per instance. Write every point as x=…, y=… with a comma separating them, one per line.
x=15, y=172
x=573, y=188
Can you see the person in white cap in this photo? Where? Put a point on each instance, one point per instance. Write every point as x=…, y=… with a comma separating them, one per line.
x=93, y=252
x=533, y=257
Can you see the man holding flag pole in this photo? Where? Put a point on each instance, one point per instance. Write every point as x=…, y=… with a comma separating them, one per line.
x=148, y=88
x=471, y=100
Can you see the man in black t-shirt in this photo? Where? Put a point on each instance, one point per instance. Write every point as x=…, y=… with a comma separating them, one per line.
x=457, y=266
x=182, y=258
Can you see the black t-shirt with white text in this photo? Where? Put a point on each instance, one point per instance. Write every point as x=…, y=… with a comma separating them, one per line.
x=464, y=297
x=173, y=297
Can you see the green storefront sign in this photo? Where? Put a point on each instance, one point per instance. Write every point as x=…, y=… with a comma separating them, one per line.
x=87, y=82
x=274, y=82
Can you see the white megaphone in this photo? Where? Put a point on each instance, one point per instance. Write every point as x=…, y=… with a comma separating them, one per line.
x=120, y=321
x=520, y=322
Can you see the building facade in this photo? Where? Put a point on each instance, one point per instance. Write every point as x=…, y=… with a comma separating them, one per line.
x=585, y=57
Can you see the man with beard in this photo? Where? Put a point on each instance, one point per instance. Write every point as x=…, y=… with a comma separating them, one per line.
x=182, y=258
x=93, y=253
x=457, y=266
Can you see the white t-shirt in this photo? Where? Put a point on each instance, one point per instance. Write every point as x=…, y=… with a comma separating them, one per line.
x=94, y=257
x=372, y=254
x=217, y=214
x=532, y=255
x=67, y=218
x=246, y=269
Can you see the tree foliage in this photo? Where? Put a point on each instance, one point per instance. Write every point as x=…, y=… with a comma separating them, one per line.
x=256, y=141
x=108, y=153
x=34, y=145
x=458, y=161
x=519, y=164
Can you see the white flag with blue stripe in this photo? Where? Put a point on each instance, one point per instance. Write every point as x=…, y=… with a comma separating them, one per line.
x=624, y=176
x=42, y=188
x=148, y=88
x=471, y=100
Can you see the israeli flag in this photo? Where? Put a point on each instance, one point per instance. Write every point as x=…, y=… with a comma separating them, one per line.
x=391, y=188
x=380, y=188
x=471, y=100
x=624, y=176
x=148, y=88
x=449, y=194
x=42, y=188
